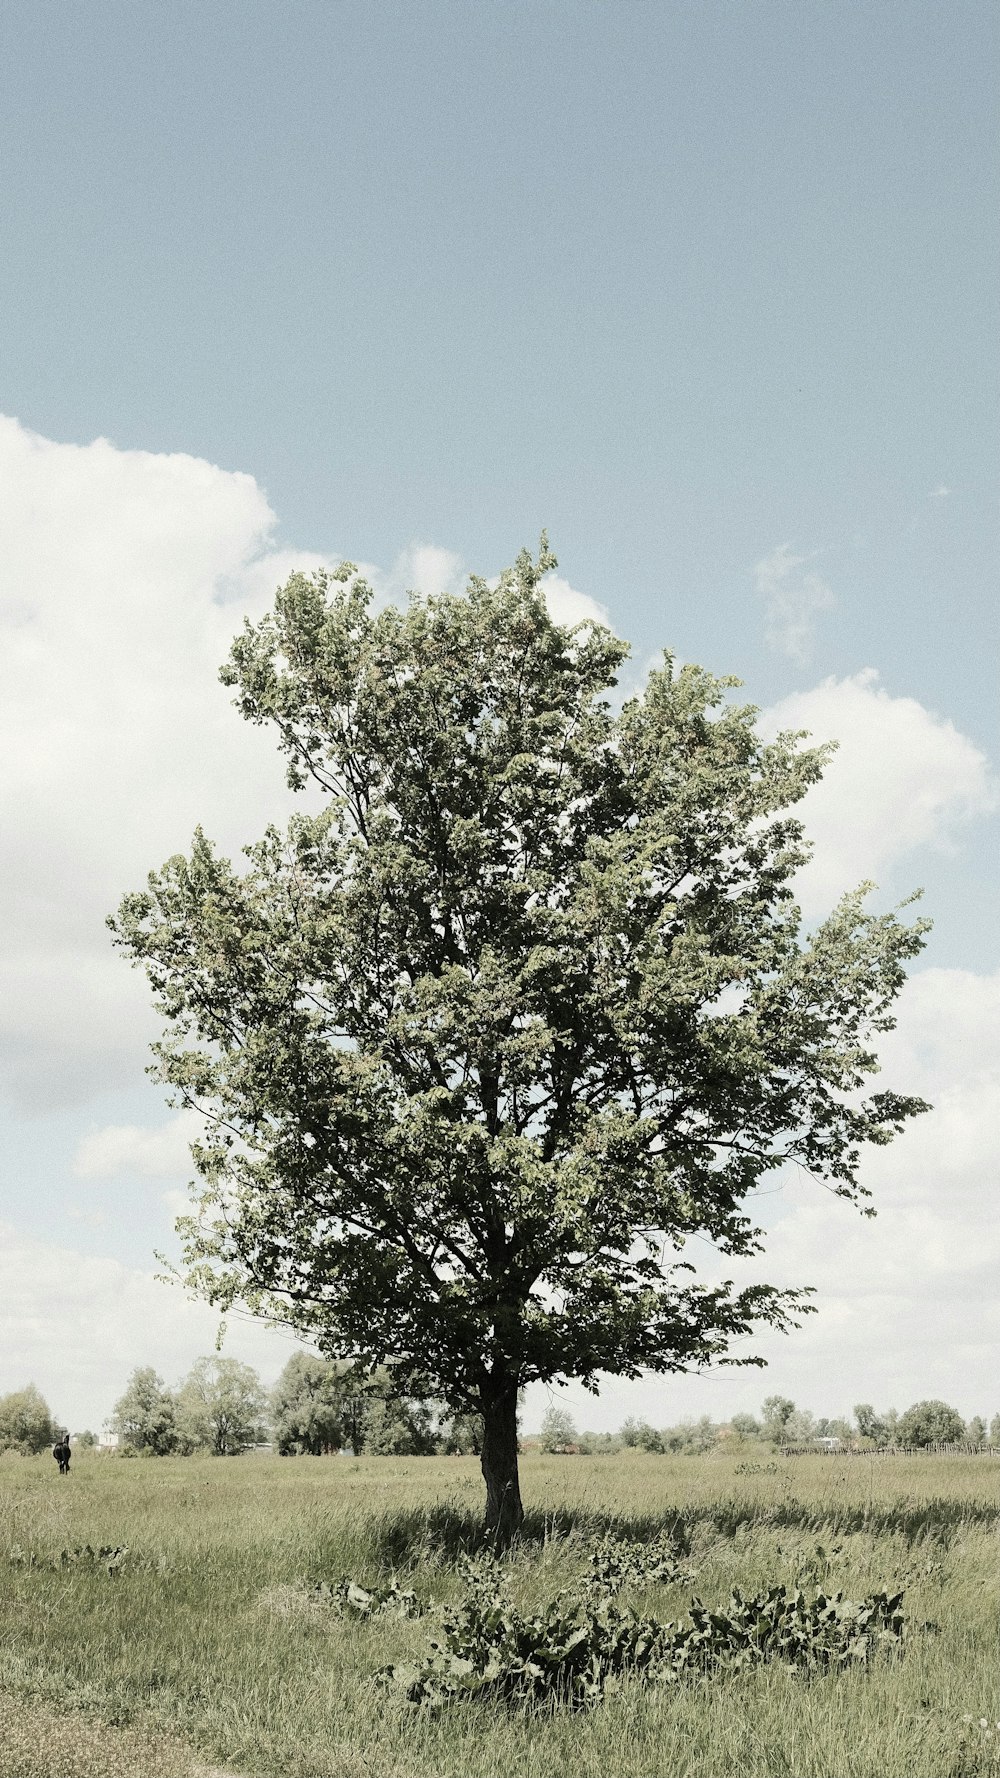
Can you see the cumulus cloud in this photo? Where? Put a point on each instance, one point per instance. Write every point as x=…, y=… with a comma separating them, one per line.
x=792, y=600
x=424, y=568
x=161, y=1151
x=76, y=1325
x=902, y=778
x=126, y=575
x=568, y=606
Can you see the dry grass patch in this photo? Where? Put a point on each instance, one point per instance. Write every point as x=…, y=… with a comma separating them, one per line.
x=38, y=1742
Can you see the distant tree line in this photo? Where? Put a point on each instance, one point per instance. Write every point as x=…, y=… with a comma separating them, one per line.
x=221, y=1406
x=318, y=1406
x=324, y=1405
x=779, y=1424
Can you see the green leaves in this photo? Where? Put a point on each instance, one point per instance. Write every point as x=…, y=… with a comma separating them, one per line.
x=571, y=1651
x=348, y=1598
x=526, y=1007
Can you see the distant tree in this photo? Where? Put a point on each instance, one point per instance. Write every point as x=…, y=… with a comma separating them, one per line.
x=26, y=1425
x=691, y=1438
x=461, y=1435
x=308, y=1404
x=995, y=1430
x=558, y=1428
x=866, y=1420
x=145, y=1417
x=85, y=1440
x=931, y=1423
x=397, y=1424
x=801, y=1427
x=490, y=1039
x=222, y=1404
x=975, y=1432
x=704, y=1434
x=826, y=1428
x=776, y=1413
x=640, y=1435
x=648, y=1438
x=875, y=1429
x=746, y=1427
x=593, y=1444
x=353, y=1413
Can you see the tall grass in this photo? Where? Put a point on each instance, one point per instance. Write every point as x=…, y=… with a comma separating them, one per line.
x=206, y=1647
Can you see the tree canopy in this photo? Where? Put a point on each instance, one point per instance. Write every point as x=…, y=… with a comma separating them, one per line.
x=521, y=1010
x=930, y=1423
x=309, y=1405
x=222, y=1405
x=26, y=1425
x=145, y=1415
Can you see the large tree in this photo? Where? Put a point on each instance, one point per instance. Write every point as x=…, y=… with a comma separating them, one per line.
x=523, y=1008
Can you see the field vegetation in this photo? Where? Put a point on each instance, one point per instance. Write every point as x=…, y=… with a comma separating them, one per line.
x=185, y=1615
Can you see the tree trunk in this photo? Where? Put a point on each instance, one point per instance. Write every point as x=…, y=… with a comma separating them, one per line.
x=504, y=1512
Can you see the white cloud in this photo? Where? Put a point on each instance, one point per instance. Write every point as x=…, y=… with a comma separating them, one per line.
x=424, y=568
x=902, y=778
x=76, y=1325
x=158, y=1152
x=126, y=576
x=792, y=601
x=939, y=493
x=567, y=606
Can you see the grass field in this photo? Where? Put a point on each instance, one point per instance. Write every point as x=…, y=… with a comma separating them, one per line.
x=204, y=1653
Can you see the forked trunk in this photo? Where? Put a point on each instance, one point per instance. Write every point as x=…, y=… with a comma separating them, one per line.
x=504, y=1512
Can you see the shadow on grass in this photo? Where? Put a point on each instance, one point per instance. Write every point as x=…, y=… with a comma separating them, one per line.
x=397, y=1541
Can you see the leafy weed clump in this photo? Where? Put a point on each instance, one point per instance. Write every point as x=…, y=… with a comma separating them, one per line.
x=570, y=1652
x=616, y=1562
x=349, y=1599
x=112, y=1558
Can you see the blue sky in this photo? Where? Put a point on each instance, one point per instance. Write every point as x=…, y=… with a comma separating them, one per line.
x=709, y=290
